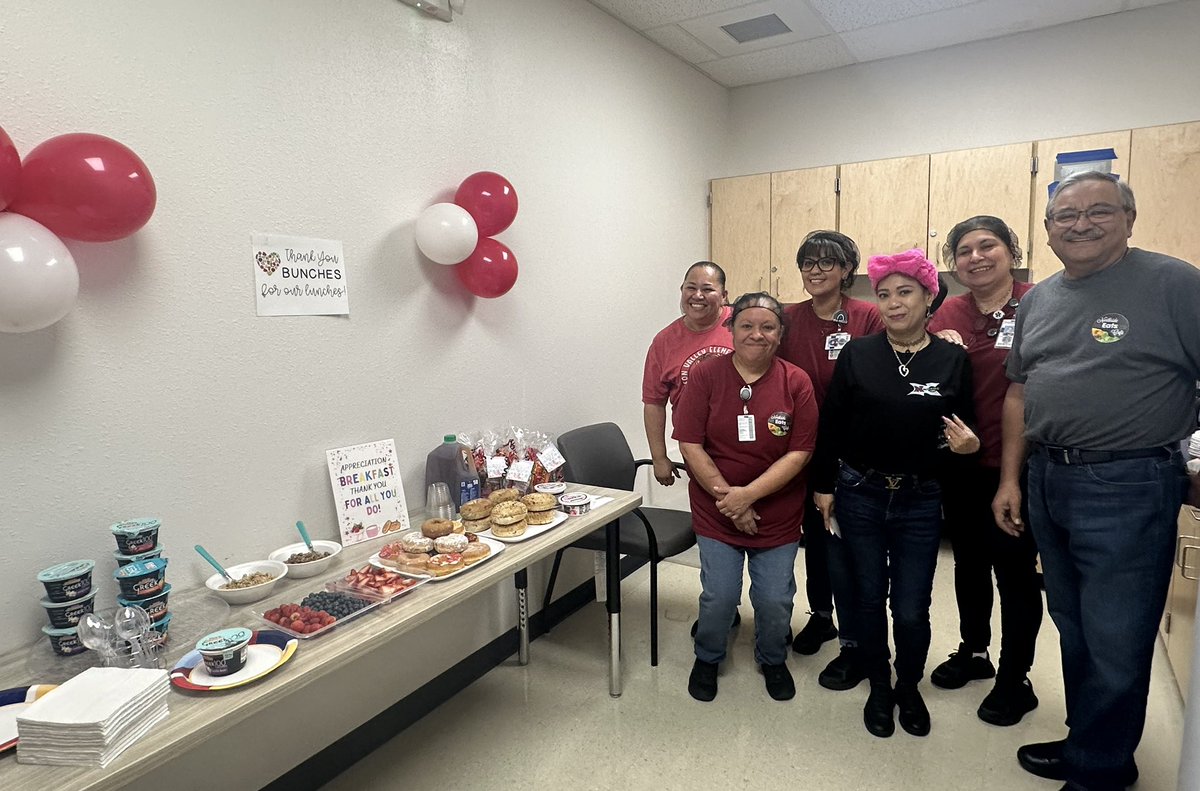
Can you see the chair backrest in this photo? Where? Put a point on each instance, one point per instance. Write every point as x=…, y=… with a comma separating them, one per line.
x=598, y=455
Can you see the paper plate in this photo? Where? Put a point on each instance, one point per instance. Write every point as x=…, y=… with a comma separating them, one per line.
x=13, y=702
x=268, y=650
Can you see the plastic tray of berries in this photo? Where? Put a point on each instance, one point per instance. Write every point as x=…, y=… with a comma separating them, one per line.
x=374, y=581
x=318, y=612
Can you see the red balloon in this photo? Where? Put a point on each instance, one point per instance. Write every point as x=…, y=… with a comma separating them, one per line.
x=87, y=187
x=489, y=199
x=10, y=170
x=490, y=271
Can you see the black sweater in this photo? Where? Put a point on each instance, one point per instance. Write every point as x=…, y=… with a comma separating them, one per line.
x=875, y=419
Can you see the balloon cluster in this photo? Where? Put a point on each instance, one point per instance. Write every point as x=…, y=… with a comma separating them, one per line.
x=78, y=186
x=460, y=234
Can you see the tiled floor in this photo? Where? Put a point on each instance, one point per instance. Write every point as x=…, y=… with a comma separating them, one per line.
x=552, y=724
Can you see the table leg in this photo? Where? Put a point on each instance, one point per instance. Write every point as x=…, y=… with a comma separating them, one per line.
x=521, y=580
x=613, y=605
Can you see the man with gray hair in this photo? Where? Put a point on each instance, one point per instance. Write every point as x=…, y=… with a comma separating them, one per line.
x=1103, y=373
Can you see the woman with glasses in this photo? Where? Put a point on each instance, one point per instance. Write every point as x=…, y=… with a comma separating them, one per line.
x=817, y=330
x=896, y=413
x=982, y=253
x=746, y=425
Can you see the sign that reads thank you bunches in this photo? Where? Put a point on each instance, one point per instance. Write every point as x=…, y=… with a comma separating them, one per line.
x=367, y=491
x=295, y=276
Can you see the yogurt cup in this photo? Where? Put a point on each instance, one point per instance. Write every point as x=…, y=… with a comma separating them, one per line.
x=155, y=606
x=575, y=503
x=142, y=579
x=160, y=628
x=65, y=642
x=125, y=560
x=64, y=615
x=554, y=487
x=224, y=652
x=67, y=581
x=135, y=536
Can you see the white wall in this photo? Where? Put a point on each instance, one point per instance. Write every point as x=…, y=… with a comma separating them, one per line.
x=1139, y=68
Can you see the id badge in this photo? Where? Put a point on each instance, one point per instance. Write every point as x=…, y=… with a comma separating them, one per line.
x=745, y=428
x=834, y=343
x=1004, y=338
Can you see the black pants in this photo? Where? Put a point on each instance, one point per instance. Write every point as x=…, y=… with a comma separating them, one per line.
x=980, y=547
x=829, y=574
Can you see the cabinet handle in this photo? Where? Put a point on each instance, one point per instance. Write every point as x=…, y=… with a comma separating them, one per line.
x=1184, y=567
x=1195, y=513
x=1179, y=548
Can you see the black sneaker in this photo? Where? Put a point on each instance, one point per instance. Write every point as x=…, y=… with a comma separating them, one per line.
x=780, y=685
x=844, y=672
x=737, y=621
x=960, y=668
x=912, y=713
x=817, y=631
x=702, y=683
x=1008, y=702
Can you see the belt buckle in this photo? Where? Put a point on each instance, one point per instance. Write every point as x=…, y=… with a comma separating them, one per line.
x=893, y=481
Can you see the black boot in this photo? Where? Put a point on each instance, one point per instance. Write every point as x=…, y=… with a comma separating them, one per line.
x=702, y=683
x=1008, y=702
x=914, y=717
x=817, y=631
x=877, y=714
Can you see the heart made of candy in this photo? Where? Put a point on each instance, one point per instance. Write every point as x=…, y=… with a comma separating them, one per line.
x=267, y=262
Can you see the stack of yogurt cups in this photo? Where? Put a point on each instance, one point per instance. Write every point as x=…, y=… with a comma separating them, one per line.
x=141, y=570
x=69, y=597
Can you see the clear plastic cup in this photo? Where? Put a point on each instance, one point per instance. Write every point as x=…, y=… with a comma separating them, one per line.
x=438, y=504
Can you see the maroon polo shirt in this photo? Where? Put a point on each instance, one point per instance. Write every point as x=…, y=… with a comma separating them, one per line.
x=804, y=341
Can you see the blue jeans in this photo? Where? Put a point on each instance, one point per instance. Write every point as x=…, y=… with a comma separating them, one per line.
x=772, y=591
x=829, y=571
x=892, y=536
x=1106, y=533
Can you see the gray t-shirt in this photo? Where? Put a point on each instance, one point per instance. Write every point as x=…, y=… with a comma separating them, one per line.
x=1110, y=361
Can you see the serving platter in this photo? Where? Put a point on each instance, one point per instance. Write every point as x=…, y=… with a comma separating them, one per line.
x=496, y=546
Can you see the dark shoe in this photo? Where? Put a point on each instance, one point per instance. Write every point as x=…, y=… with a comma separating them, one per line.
x=844, y=672
x=1008, y=702
x=960, y=668
x=817, y=631
x=737, y=621
x=914, y=717
x=1045, y=759
x=779, y=681
x=877, y=714
x=702, y=683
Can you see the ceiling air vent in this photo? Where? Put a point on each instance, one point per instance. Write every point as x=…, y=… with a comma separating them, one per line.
x=755, y=29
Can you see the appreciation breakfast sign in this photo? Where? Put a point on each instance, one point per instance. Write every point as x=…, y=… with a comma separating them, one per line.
x=367, y=490
x=295, y=276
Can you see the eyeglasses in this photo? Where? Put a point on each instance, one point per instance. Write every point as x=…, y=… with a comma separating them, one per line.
x=1098, y=215
x=824, y=264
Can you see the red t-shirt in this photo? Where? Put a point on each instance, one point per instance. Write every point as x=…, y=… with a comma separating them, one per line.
x=987, y=362
x=785, y=419
x=805, y=339
x=673, y=352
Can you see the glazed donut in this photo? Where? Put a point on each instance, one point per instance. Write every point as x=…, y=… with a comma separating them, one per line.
x=448, y=563
x=436, y=528
x=413, y=563
x=475, y=553
x=450, y=543
x=415, y=542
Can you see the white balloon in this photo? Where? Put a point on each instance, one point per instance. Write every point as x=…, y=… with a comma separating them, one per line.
x=446, y=233
x=38, y=279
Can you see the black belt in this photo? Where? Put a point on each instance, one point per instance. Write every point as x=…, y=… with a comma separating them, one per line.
x=893, y=481
x=1060, y=455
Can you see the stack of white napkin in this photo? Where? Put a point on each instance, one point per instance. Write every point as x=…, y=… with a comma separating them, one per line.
x=92, y=718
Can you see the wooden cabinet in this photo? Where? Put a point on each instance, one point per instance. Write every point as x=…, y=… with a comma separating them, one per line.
x=1042, y=260
x=801, y=201
x=884, y=205
x=997, y=180
x=1181, y=605
x=1164, y=171
x=740, y=231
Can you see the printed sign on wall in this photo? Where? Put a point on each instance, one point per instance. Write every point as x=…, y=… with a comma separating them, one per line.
x=295, y=276
x=367, y=490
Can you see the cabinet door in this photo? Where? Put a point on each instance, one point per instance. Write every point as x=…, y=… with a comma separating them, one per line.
x=1043, y=262
x=740, y=239
x=801, y=201
x=1183, y=597
x=1164, y=169
x=996, y=181
x=884, y=205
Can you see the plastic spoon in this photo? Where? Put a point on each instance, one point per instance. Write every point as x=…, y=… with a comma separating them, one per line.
x=304, y=535
x=131, y=624
x=96, y=633
x=204, y=554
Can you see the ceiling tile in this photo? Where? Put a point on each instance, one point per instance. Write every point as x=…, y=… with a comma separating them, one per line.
x=818, y=54
x=845, y=15
x=675, y=39
x=796, y=14
x=645, y=14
